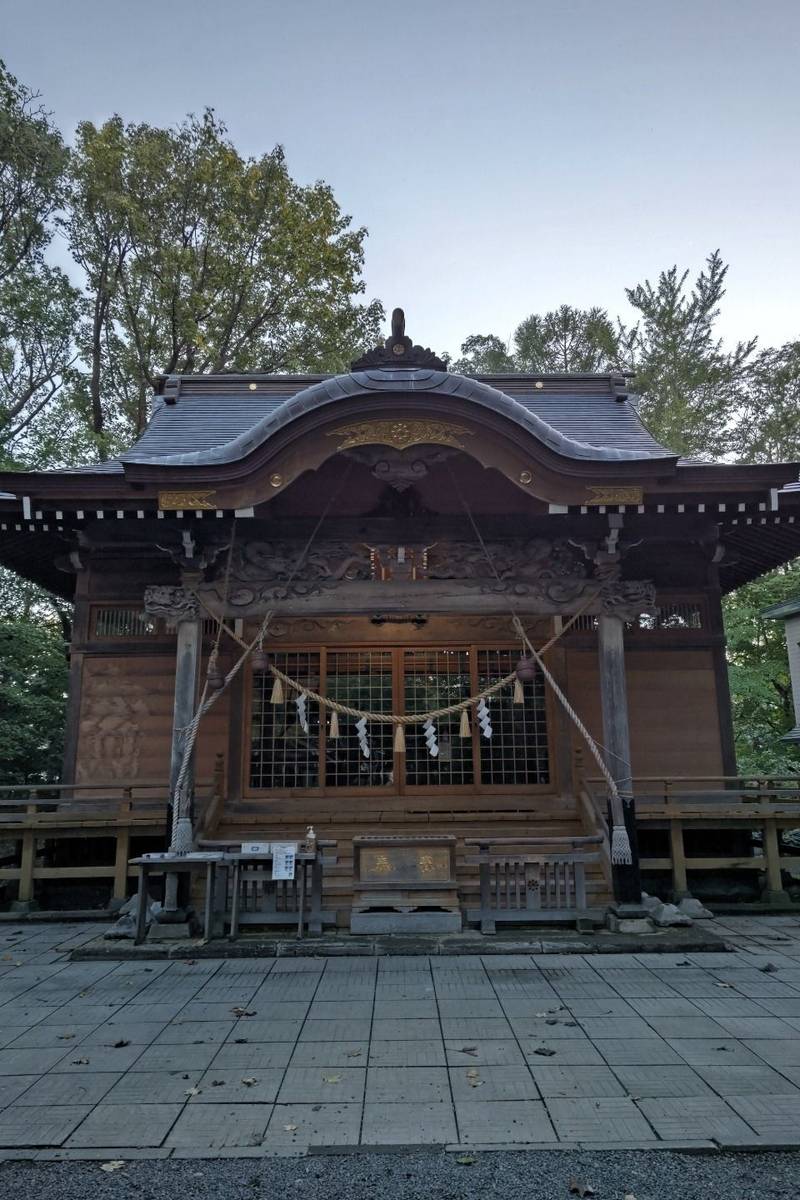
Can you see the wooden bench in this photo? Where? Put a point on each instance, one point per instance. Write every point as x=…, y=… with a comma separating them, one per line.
x=532, y=880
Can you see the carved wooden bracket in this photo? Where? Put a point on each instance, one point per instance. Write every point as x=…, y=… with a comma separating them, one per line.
x=175, y=604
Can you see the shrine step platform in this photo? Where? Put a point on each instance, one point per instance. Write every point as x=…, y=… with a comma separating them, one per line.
x=339, y=944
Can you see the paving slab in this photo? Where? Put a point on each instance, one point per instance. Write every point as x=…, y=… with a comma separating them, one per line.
x=392, y=1085
x=238, y=1087
x=337, y=1031
x=293, y=1125
x=576, y=1053
x=46, y=1036
x=66, y=1089
x=342, y=1010
x=778, y=1053
x=576, y=1081
x=138, y=1033
x=174, y=1058
x=187, y=1033
x=251, y=1056
x=343, y=1054
x=110, y=1125
x=31, y=1061
x=487, y=1084
x=641, y=1081
x=641, y=1052
x=599, y=1119
x=747, y=1080
x=319, y=1085
x=396, y=1030
x=770, y=1116
x=12, y=1086
x=629, y=1028
x=213, y=1126
x=408, y=1125
x=715, y=1051
x=503, y=1122
x=493, y=1052
x=150, y=1087
x=674, y=1118
x=51, y=1127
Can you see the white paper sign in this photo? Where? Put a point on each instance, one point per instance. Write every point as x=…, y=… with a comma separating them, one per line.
x=256, y=847
x=283, y=856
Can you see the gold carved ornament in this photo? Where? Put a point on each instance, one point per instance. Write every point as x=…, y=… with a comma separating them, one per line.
x=175, y=501
x=614, y=495
x=401, y=434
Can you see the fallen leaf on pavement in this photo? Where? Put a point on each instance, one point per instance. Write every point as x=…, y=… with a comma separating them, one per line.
x=354, y=1054
x=725, y=985
x=331, y=1078
x=115, y=1164
x=545, y=1051
x=629, y=1196
x=80, y=1062
x=218, y=1083
x=469, y=1049
x=577, y=1187
x=243, y=1012
x=65, y=1037
x=290, y=1128
x=193, y=1091
x=122, y=1042
x=248, y=1081
x=768, y=968
x=466, y=1160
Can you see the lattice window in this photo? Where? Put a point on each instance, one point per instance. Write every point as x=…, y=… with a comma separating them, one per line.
x=282, y=755
x=517, y=751
x=677, y=615
x=361, y=679
x=434, y=679
x=113, y=622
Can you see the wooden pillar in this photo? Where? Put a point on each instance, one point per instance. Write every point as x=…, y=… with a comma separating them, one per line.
x=187, y=667
x=616, y=743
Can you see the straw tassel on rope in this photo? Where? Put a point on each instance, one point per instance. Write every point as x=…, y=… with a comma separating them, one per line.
x=465, y=730
x=399, y=739
x=277, y=692
x=334, y=729
x=519, y=695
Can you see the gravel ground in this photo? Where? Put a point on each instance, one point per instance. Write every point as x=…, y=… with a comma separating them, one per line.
x=614, y=1175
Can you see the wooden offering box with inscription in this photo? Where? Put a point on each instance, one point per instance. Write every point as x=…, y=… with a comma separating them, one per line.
x=405, y=884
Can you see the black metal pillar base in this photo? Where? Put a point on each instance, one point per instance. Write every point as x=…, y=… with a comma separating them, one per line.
x=627, y=879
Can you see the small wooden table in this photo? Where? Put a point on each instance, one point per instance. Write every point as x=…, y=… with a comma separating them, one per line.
x=169, y=865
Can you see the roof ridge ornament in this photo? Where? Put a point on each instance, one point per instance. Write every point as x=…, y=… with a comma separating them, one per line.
x=399, y=351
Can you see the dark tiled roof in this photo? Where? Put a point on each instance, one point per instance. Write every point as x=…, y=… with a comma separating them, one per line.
x=221, y=418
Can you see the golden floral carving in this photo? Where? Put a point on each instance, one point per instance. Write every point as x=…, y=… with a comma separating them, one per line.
x=614, y=495
x=401, y=434
x=174, y=501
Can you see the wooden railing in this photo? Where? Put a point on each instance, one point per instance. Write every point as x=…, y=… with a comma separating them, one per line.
x=58, y=813
x=756, y=804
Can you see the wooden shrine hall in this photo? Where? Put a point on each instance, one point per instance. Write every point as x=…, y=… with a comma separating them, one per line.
x=438, y=619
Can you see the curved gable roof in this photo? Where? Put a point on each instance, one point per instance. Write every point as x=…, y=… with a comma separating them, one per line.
x=225, y=423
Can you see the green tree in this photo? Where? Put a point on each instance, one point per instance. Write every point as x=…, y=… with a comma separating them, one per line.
x=484, y=354
x=768, y=420
x=33, y=685
x=566, y=339
x=38, y=305
x=758, y=669
x=689, y=383
x=197, y=259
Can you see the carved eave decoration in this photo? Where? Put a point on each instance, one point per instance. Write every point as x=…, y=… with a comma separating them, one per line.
x=399, y=351
x=541, y=575
x=401, y=434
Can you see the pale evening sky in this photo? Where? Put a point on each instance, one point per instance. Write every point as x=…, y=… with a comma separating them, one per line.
x=505, y=155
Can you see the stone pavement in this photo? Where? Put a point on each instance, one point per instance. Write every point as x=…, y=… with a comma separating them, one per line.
x=262, y=1056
